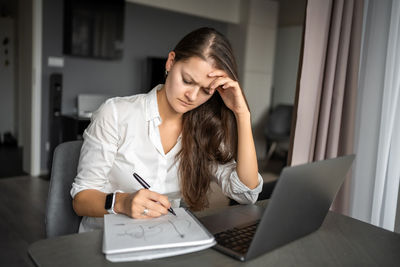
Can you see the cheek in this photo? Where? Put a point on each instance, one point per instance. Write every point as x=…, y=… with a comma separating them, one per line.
x=203, y=99
x=175, y=86
x=172, y=89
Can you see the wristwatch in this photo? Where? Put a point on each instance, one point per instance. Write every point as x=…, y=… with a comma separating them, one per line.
x=110, y=201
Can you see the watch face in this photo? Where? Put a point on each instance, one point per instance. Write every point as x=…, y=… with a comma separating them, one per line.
x=109, y=199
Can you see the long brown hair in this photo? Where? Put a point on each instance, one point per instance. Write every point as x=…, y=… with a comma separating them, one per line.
x=209, y=132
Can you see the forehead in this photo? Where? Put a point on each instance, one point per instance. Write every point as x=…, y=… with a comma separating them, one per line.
x=198, y=68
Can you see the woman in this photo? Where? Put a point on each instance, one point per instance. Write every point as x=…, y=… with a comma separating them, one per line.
x=179, y=137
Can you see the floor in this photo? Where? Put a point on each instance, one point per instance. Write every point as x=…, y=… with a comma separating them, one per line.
x=23, y=203
x=22, y=210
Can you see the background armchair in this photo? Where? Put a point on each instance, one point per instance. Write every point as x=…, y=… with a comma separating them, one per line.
x=277, y=130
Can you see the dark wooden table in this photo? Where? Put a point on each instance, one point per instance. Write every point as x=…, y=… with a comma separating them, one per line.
x=341, y=241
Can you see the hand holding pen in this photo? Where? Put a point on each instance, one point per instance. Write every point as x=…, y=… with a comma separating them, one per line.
x=147, y=186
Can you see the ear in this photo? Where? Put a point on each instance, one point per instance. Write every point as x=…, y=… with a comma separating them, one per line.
x=170, y=61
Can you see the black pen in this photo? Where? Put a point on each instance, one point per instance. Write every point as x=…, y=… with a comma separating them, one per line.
x=147, y=186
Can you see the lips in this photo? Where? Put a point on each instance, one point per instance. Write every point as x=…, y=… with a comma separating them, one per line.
x=184, y=103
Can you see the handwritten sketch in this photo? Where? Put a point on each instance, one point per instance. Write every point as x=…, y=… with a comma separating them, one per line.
x=148, y=231
x=162, y=232
x=176, y=229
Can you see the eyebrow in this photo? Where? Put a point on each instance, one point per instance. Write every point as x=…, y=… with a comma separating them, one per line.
x=193, y=80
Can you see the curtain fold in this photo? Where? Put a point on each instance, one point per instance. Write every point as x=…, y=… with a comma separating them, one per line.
x=388, y=168
x=328, y=84
x=375, y=185
x=308, y=93
x=369, y=106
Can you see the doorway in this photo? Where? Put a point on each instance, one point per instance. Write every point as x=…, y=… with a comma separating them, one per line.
x=21, y=76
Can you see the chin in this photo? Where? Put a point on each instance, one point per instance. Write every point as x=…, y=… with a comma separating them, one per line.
x=179, y=108
x=182, y=110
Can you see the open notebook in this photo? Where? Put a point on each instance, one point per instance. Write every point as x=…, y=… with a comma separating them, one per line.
x=127, y=239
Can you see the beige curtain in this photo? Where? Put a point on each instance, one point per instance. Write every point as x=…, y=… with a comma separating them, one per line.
x=326, y=96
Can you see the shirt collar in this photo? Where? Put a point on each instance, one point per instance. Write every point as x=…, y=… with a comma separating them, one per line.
x=152, y=105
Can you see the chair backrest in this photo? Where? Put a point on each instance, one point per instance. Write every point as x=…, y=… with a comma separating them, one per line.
x=279, y=122
x=61, y=219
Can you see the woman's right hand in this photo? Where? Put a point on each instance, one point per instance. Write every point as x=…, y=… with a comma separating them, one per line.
x=134, y=204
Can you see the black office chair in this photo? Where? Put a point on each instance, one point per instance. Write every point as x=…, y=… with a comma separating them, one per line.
x=61, y=219
x=277, y=130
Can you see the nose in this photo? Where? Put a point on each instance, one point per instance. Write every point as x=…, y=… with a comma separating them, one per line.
x=191, y=94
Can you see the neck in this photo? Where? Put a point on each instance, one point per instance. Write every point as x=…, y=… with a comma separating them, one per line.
x=166, y=112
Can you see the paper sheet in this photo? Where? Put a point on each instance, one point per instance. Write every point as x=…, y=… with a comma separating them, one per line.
x=123, y=234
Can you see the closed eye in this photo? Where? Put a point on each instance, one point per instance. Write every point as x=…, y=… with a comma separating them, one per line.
x=186, y=81
x=206, y=91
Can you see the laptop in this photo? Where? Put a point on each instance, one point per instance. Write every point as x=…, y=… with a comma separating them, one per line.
x=298, y=206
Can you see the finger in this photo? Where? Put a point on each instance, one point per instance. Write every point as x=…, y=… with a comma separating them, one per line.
x=229, y=84
x=217, y=73
x=151, y=214
x=138, y=203
x=144, y=194
x=220, y=81
x=138, y=212
x=156, y=207
x=144, y=212
x=152, y=200
x=163, y=200
x=223, y=85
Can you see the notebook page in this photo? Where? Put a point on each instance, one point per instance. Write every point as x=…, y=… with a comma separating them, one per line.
x=124, y=234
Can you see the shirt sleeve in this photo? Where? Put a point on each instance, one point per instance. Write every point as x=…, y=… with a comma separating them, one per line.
x=231, y=186
x=98, y=150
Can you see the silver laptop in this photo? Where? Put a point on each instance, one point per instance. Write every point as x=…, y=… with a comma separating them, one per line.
x=298, y=206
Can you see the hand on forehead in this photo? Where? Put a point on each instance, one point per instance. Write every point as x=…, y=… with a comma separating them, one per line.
x=201, y=72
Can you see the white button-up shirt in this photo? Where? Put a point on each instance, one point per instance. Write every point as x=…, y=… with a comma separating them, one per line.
x=124, y=138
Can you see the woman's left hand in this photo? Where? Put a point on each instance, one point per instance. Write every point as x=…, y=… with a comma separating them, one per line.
x=230, y=92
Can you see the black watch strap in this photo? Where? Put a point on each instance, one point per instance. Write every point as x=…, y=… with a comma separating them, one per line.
x=109, y=201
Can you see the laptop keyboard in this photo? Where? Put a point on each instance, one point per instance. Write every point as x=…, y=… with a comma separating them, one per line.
x=237, y=239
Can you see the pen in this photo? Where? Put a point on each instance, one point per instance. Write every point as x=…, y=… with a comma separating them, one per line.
x=147, y=186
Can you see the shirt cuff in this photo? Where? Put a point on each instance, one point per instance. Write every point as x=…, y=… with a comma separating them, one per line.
x=239, y=187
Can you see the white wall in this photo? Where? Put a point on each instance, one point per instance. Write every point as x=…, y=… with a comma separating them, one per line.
x=286, y=64
x=260, y=55
x=258, y=63
x=36, y=87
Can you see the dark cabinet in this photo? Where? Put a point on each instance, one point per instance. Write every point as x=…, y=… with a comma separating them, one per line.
x=73, y=127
